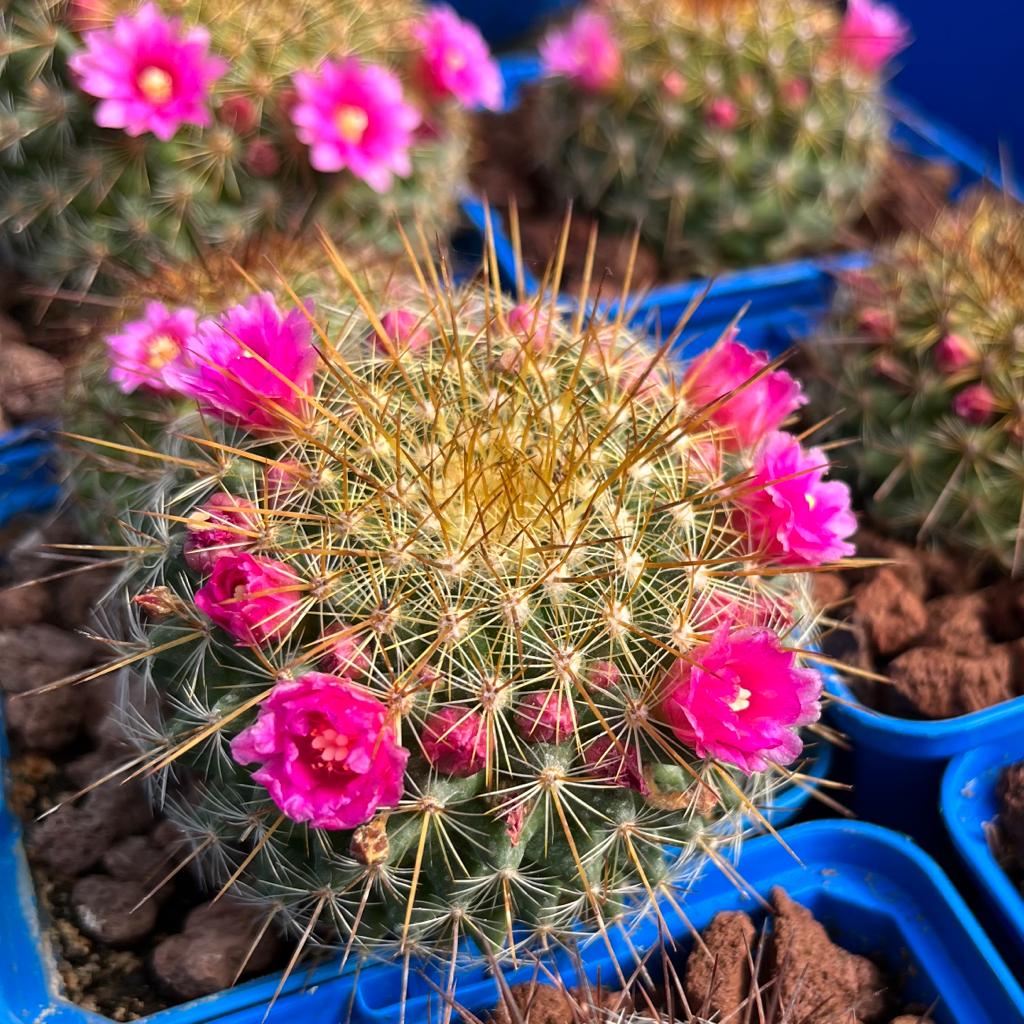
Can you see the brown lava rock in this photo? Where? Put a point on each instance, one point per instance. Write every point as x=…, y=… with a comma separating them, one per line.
x=31, y=382
x=939, y=683
x=892, y=615
x=1010, y=794
x=221, y=941
x=545, y=1004
x=23, y=605
x=819, y=982
x=111, y=910
x=958, y=623
x=717, y=979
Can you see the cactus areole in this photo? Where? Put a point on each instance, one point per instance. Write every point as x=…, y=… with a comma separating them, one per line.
x=461, y=616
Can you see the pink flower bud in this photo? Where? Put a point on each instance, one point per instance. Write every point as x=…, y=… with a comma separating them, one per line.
x=585, y=51
x=617, y=763
x=975, y=403
x=877, y=323
x=404, y=332
x=347, y=656
x=673, y=83
x=953, y=353
x=455, y=741
x=545, y=717
x=532, y=324
x=603, y=675
x=223, y=525
x=160, y=603
x=722, y=113
x=794, y=92
x=238, y=113
x=261, y=159
x=871, y=34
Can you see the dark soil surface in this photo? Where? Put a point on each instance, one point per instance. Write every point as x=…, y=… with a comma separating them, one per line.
x=790, y=973
x=1007, y=835
x=130, y=928
x=949, y=639
x=507, y=173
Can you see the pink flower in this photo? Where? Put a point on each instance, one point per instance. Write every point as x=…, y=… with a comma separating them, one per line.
x=150, y=74
x=247, y=365
x=147, y=349
x=222, y=525
x=617, y=763
x=455, y=741
x=347, y=656
x=604, y=675
x=871, y=34
x=757, y=407
x=877, y=323
x=585, y=51
x=544, y=716
x=793, y=515
x=255, y=599
x=456, y=61
x=743, y=700
x=975, y=403
x=722, y=113
x=353, y=116
x=327, y=755
x=404, y=331
x=953, y=353
x=532, y=324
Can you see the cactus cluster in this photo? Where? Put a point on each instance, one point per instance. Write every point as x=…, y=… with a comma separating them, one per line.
x=733, y=132
x=131, y=136
x=926, y=360
x=464, y=622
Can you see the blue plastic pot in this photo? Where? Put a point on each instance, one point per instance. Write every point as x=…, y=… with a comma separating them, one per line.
x=786, y=299
x=28, y=479
x=875, y=891
x=504, y=21
x=968, y=806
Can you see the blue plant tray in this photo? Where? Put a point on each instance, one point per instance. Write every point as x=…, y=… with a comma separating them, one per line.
x=784, y=300
x=968, y=806
x=875, y=891
x=28, y=478
x=504, y=21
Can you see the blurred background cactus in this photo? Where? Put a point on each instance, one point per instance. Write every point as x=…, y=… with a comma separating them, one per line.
x=735, y=132
x=133, y=136
x=926, y=359
x=460, y=618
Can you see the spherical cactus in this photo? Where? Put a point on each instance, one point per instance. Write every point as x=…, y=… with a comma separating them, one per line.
x=733, y=133
x=134, y=135
x=927, y=355
x=466, y=622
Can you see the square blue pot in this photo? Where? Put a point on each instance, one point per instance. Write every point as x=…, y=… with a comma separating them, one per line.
x=875, y=891
x=969, y=807
x=785, y=300
x=28, y=476
x=502, y=21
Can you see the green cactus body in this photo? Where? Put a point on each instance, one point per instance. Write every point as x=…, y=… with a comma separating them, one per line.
x=927, y=354
x=83, y=204
x=790, y=159
x=514, y=522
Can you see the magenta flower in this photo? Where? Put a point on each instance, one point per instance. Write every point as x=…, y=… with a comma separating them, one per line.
x=326, y=752
x=146, y=350
x=953, y=353
x=616, y=763
x=532, y=325
x=255, y=599
x=150, y=73
x=604, y=675
x=871, y=34
x=455, y=741
x=354, y=117
x=253, y=365
x=585, y=51
x=347, y=655
x=792, y=514
x=456, y=61
x=544, y=716
x=975, y=403
x=743, y=701
x=757, y=407
x=722, y=113
x=404, y=331
x=222, y=525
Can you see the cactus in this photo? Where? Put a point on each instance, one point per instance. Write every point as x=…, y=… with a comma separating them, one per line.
x=733, y=133
x=461, y=617
x=926, y=354
x=82, y=202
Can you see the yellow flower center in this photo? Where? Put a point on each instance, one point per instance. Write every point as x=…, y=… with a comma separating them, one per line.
x=811, y=501
x=332, y=746
x=351, y=123
x=742, y=700
x=162, y=350
x=454, y=60
x=155, y=84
